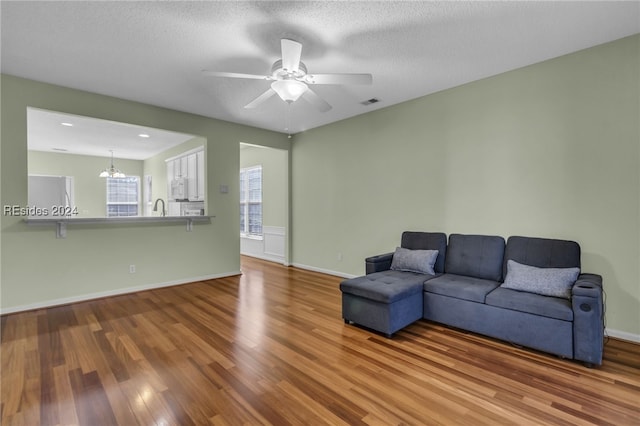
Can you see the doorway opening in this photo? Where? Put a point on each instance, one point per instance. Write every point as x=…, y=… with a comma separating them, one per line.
x=264, y=203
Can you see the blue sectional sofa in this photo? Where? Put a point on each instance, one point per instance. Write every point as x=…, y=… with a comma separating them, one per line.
x=528, y=291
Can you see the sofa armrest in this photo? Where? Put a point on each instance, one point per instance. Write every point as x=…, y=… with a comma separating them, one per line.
x=589, y=279
x=381, y=262
x=588, y=319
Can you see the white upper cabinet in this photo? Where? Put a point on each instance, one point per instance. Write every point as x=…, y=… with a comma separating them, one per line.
x=192, y=177
x=200, y=175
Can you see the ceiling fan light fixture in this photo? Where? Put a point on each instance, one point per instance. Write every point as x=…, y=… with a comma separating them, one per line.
x=289, y=90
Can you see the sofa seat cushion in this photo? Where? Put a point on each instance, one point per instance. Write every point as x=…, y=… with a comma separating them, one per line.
x=386, y=286
x=547, y=306
x=461, y=287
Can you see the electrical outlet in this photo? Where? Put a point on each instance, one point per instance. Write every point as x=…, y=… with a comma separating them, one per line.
x=132, y=269
x=339, y=256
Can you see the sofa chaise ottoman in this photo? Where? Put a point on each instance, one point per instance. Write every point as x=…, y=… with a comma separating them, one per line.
x=392, y=298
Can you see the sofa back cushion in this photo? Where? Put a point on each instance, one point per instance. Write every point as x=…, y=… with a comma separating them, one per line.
x=427, y=241
x=478, y=256
x=542, y=253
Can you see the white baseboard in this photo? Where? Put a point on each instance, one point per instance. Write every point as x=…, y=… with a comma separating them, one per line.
x=623, y=335
x=267, y=257
x=324, y=271
x=118, y=292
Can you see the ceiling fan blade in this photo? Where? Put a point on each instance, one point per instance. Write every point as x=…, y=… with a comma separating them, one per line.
x=315, y=100
x=291, y=52
x=236, y=75
x=260, y=99
x=338, y=79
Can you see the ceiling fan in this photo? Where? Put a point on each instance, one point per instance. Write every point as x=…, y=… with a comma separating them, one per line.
x=291, y=81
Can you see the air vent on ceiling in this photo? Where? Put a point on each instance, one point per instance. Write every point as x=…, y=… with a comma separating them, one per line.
x=370, y=101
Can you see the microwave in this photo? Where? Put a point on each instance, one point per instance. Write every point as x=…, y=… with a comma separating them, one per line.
x=179, y=189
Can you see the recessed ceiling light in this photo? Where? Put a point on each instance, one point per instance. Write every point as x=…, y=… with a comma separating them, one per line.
x=143, y=135
x=67, y=124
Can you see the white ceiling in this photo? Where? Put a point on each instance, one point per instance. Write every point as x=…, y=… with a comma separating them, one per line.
x=153, y=52
x=74, y=134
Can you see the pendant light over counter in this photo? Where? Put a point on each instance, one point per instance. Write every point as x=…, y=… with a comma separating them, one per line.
x=111, y=171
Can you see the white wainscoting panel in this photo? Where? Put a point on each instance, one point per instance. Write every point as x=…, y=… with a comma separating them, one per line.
x=271, y=247
x=274, y=241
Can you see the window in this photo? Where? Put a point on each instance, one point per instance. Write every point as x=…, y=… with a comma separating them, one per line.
x=123, y=196
x=251, y=201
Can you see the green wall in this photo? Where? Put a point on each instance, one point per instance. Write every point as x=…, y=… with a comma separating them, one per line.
x=90, y=191
x=38, y=269
x=550, y=150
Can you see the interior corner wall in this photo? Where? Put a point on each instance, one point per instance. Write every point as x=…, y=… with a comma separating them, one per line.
x=93, y=260
x=550, y=150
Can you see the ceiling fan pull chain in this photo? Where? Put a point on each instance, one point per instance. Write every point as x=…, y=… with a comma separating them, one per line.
x=288, y=119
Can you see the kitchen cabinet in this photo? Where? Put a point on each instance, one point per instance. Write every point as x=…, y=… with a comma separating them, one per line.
x=192, y=178
x=184, y=167
x=195, y=176
x=200, y=174
x=177, y=168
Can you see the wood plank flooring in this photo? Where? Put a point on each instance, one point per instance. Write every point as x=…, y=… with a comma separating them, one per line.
x=270, y=347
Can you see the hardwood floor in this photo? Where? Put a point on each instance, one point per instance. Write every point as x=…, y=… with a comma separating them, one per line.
x=270, y=347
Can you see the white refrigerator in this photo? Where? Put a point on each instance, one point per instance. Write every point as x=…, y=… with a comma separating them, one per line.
x=50, y=193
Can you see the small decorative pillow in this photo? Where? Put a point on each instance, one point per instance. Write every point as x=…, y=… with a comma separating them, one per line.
x=556, y=282
x=420, y=261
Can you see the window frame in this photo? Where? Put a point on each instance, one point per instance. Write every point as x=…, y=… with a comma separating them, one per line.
x=246, y=203
x=136, y=203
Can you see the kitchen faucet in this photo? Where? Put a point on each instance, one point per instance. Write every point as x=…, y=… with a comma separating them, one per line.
x=155, y=206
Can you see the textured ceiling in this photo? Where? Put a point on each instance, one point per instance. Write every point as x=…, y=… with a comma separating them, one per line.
x=153, y=52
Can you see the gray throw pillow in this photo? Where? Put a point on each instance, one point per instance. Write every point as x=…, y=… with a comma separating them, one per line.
x=556, y=282
x=421, y=261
